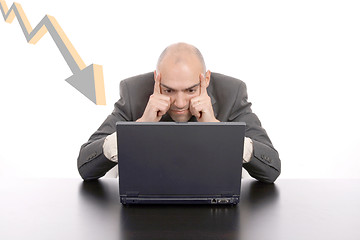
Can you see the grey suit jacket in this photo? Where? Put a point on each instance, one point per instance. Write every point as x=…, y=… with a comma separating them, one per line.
x=229, y=99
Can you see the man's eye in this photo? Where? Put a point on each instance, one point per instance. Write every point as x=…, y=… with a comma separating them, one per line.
x=167, y=91
x=191, y=90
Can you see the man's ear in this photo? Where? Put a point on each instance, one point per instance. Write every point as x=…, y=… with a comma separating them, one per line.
x=155, y=73
x=207, y=77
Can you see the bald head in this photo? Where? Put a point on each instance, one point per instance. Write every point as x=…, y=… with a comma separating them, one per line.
x=181, y=75
x=181, y=53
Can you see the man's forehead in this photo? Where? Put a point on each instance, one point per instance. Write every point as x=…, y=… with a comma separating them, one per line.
x=179, y=78
x=182, y=88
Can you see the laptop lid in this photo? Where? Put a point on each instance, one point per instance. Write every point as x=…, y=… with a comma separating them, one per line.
x=168, y=162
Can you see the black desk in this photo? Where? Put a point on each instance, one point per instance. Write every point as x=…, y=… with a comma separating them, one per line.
x=72, y=209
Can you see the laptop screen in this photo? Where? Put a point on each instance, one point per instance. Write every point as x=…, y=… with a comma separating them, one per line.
x=180, y=160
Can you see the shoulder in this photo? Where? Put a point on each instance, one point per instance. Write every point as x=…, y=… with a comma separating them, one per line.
x=138, y=88
x=139, y=82
x=134, y=94
x=225, y=87
x=222, y=81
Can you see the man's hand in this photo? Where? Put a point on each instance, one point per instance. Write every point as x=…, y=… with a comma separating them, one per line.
x=157, y=105
x=200, y=106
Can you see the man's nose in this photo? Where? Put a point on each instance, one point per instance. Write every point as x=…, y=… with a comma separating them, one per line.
x=180, y=101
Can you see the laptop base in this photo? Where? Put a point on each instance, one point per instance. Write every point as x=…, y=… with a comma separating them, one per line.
x=162, y=200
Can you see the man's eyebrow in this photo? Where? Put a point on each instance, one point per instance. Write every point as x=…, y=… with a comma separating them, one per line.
x=166, y=86
x=195, y=85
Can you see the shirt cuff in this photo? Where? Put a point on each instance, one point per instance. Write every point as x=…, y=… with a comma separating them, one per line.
x=110, y=147
x=248, y=150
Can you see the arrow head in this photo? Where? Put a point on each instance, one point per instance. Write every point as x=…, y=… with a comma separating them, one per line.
x=90, y=82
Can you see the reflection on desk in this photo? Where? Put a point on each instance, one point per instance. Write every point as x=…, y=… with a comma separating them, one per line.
x=183, y=221
x=72, y=209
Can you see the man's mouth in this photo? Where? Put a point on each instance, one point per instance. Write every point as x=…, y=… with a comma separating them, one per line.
x=179, y=111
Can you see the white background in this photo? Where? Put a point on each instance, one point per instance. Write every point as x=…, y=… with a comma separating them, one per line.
x=300, y=60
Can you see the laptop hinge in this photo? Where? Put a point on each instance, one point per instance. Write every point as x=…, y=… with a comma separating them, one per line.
x=132, y=194
x=227, y=194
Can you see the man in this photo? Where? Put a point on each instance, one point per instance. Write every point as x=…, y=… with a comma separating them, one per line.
x=180, y=89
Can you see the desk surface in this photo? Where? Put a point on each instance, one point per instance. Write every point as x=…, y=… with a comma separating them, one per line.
x=72, y=209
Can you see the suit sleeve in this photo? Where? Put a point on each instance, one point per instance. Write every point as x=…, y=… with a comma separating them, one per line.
x=92, y=163
x=265, y=164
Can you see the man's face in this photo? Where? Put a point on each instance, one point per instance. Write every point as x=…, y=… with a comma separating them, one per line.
x=180, y=85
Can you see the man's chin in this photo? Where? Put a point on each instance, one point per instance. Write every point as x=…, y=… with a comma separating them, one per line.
x=180, y=118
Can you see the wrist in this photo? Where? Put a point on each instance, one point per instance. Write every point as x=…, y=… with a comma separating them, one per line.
x=211, y=119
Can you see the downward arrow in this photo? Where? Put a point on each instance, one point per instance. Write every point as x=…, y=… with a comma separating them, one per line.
x=88, y=80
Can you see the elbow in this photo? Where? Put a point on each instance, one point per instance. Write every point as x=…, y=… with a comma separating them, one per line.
x=86, y=175
x=83, y=169
x=270, y=177
x=94, y=168
x=86, y=170
x=263, y=172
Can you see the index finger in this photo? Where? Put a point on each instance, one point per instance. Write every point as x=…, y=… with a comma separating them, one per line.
x=202, y=85
x=157, y=88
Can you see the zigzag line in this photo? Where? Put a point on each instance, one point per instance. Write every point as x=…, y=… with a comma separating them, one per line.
x=87, y=79
x=48, y=23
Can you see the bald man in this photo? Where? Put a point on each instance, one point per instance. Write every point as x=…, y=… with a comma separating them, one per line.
x=181, y=90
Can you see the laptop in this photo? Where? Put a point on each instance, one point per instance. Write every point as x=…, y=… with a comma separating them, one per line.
x=180, y=163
